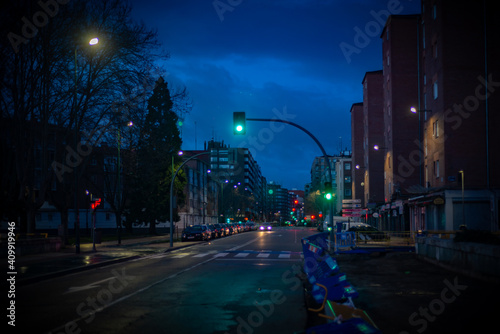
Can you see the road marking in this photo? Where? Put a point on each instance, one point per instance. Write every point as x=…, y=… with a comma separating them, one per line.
x=256, y=259
x=119, y=300
x=284, y=256
x=247, y=243
x=88, y=286
x=180, y=255
x=263, y=255
x=220, y=255
x=241, y=255
x=201, y=255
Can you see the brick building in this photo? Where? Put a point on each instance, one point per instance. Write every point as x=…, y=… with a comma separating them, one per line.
x=459, y=102
x=373, y=135
x=358, y=152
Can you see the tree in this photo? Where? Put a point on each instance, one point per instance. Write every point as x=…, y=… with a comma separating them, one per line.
x=52, y=79
x=157, y=151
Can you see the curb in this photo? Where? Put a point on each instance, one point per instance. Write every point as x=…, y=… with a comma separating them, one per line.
x=60, y=273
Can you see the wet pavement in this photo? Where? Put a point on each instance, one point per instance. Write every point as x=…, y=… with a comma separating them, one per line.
x=35, y=267
x=403, y=294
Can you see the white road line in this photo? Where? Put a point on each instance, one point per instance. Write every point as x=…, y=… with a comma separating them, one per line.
x=201, y=255
x=241, y=255
x=263, y=255
x=119, y=300
x=180, y=255
x=284, y=256
x=220, y=254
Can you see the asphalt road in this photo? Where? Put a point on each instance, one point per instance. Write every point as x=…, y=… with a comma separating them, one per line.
x=245, y=283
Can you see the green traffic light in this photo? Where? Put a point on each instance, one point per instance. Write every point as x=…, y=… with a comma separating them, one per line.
x=328, y=196
x=239, y=120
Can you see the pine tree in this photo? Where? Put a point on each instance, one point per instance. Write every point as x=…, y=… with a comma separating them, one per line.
x=157, y=150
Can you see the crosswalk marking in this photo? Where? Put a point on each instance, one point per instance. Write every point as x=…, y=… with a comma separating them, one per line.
x=263, y=255
x=220, y=254
x=201, y=255
x=242, y=255
x=181, y=255
x=284, y=256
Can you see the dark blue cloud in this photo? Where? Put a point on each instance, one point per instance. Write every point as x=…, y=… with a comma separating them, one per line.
x=268, y=56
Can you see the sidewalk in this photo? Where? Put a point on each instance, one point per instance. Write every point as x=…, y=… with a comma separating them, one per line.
x=36, y=267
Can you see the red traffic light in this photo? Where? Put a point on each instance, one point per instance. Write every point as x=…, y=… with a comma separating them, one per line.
x=95, y=203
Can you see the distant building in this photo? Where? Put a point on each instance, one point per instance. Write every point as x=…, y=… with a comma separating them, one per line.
x=243, y=174
x=358, y=153
x=278, y=203
x=373, y=132
x=201, y=205
x=343, y=171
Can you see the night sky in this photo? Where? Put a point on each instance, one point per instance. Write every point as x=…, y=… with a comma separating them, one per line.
x=298, y=60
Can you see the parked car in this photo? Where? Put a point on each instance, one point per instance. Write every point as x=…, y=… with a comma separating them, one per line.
x=196, y=232
x=239, y=227
x=252, y=226
x=216, y=230
x=225, y=229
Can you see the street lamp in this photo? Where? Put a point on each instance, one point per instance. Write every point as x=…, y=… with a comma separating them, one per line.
x=461, y=172
x=172, y=193
x=376, y=148
x=119, y=184
x=93, y=41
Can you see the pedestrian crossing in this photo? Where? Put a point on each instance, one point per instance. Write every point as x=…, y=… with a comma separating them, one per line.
x=246, y=254
x=257, y=255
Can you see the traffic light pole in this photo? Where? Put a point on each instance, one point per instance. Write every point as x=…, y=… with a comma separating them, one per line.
x=333, y=234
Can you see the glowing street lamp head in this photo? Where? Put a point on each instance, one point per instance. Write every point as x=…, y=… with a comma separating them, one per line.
x=413, y=110
x=94, y=41
x=376, y=147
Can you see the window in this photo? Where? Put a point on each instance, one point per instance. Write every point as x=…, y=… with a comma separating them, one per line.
x=435, y=129
x=347, y=192
x=436, y=168
x=435, y=90
x=347, y=179
x=347, y=166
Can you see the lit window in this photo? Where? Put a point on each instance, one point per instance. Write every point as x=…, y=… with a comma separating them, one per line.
x=435, y=129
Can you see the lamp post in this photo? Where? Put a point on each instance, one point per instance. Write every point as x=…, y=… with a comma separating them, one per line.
x=119, y=184
x=172, y=193
x=92, y=41
x=463, y=198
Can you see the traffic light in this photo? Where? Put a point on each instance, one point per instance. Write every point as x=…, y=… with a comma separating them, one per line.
x=328, y=191
x=95, y=203
x=239, y=123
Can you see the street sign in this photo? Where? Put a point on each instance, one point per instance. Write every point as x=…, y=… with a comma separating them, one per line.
x=351, y=205
x=351, y=214
x=351, y=201
x=351, y=210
